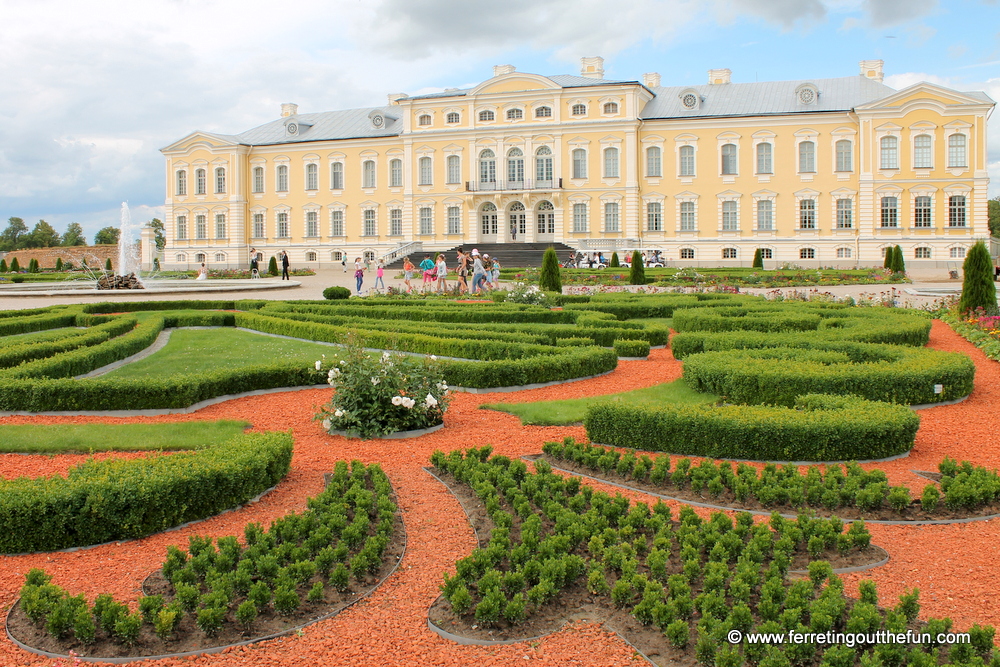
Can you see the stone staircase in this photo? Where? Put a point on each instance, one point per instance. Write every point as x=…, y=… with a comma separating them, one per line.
x=510, y=255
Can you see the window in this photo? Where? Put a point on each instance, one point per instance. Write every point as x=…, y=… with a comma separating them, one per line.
x=424, y=120
x=543, y=164
x=487, y=167
x=845, y=157
x=611, y=216
x=452, y=118
x=922, y=211
x=182, y=227
x=654, y=162
x=515, y=167
x=579, y=218
x=424, y=169
x=199, y=182
x=454, y=164
x=283, y=226
x=454, y=220
x=579, y=163
x=396, y=222
x=921, y=253
x=890, y=212
x=765, y=215
x=515, y=114
x=687, y=160
x=486, y=116
x=729, y=159
x=687, y=253
x=181, y=257
x=368, y=174
x=807, y=157
x=258, y=226
x=766, y=253
x=654, y=216
x=337, y=256
x=807, y=214
x=545, y=218
x=312, y=177
x=956, y=151
x=729, y=253
x=688, y=220
x=200, y=227
x=845, y=214
x=730, y=216
x=610, y=107
x=426, y=220
x=889, y=153
x=956, y=211
x=543, y=112
x=579, y=110
x=337, y=176
x=957, y=253
x=220, y=225
x=843, y=253
x=312, y=223
x=200, y=257
x=922, y=152
x=807, y=253
x=396, y=173
x=310, y=257
x=764, y=158
x=336, y=223
x=220, y=180
x=182, y=183
x=258, y=179
x=282, y=178
x=370, y=223
x=610, y=163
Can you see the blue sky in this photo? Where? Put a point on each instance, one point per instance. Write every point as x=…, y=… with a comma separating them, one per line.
x=92, y=91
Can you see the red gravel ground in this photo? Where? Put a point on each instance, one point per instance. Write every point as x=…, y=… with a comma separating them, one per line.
x=952, y=565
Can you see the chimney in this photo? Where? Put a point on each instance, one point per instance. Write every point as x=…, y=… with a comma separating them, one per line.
x=499, y=70
x=720, y=76
x=394, y=97
x=651, y=79
x=289, y=109
x=592, y=67
x=872, y=69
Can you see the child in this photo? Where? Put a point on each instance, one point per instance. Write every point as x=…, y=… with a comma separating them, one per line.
x=408, y=274
x=379, y=272
x=359, y=273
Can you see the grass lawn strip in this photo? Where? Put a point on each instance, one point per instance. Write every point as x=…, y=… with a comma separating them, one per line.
x=90, y=438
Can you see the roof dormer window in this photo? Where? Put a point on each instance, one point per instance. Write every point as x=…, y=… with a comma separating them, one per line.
x=690, y=99
x=807, y=94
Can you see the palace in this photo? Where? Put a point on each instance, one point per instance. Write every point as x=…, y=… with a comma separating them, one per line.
x=823, y=172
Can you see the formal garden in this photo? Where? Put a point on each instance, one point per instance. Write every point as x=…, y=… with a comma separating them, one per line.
x=603, y=479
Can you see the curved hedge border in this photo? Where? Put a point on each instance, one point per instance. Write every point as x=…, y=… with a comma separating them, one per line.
x=115, y=499
x=819, y=428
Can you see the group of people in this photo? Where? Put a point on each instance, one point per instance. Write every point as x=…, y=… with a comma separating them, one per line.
x=485, y=272
x=255, y=264
x=360, y=266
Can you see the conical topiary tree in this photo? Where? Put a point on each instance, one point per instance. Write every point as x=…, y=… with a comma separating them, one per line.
x=637, y=273
x=107, y=265
x=59, y=264
x=550, y=279
x=889, y=252
x=272, y=266
x=614, y=263
x=33, y=265
x=3, y=266
x=758, y=259
x=15, y=266
x=978, y=290
x=898, y=265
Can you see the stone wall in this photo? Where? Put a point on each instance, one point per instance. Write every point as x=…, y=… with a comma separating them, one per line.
x=95, y=255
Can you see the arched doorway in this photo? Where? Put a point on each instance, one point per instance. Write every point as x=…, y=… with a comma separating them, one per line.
x=517, y=223
x=545, y=221
x=488, y=223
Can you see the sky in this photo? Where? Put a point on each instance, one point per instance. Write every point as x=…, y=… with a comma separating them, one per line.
x=91, y=91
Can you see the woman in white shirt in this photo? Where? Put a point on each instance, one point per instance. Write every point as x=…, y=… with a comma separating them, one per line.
x=442, y=274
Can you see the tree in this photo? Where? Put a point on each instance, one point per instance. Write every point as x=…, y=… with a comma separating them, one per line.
x=889, y=252
x=15, y=266
x=161, y=238
x=978, y=289
x=637, y=273
x=993, y=206
x=898, y=265
x=549, y=279
x=107, y=236
x=10, y=236
x=614, y=263
x=33, y=265
x=74, y=235
x=758, y=259
x=3, y=266
x=107, y=265
x=59, y=264
x=43, y=236
x=272, y=266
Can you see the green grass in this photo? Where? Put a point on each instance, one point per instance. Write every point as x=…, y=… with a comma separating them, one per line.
x=571, y=411
x=87, y=438
x=201, y=350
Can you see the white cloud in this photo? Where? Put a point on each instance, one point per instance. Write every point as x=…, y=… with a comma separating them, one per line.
x=886, y=13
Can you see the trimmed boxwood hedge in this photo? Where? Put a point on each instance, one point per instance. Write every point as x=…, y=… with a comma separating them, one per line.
x=72, y=339
x=114, y=499
x=631, y=348
x=819, y=428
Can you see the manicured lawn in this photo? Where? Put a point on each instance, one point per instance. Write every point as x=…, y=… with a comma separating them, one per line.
x=87, y=438
x=571, y=411
x=200, y=350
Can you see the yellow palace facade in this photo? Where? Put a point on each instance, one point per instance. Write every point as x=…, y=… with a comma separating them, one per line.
x=827, y=172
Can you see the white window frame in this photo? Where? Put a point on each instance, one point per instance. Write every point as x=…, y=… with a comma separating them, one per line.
x=200, y=181
x=369, y=179
x=220, y=226
x=454, y=217
x=312, y=223
x=579, y=159
x=337, y=227
x=258, y=179
x=843, y=165
x=612, y=213
x=654, y=162
x=761, y=224
x=282, y=226
x=765, y=161
x=200, y=226
x=337, y=175
x=579, y=218
x=425, y=170
x=281, y=178
x=425, y=215
x=395, y=173
x=845, y=214
x=923, y=155
x=181, y=181
x=654, y=216
x=395, y=222
x=958, y=154
x=180, y=223
x=807, y=156
x=730, y=215
x=611, y=162
x=454, y=169
x=888, y=155
x=369, y=222
x=258, y=227
x=220, y=180
x=729, y=165
x=888, y=211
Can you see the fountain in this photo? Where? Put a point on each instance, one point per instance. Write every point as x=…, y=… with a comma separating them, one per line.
x=128, y=257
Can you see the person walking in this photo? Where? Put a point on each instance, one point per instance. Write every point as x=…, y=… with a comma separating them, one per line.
x=427, y=266
x=462, y=272
x=254, y=268
x=478, y=271
x=359, y=273
x=496, y=273
x=379, y=272
x=343, y=261
x=408, y=269
x=442, y=274
x=284, y=266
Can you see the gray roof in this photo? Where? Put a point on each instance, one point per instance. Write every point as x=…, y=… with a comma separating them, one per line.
x=765, y=98
x=346, y=124
x=573, y=81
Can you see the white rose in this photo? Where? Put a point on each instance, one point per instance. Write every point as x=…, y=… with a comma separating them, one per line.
x=430, y=401
x=319, y=365
x=397, y=400
x=375, y=381
x=326, y=424
x=408, y=403
x=343, y=362
x=434, y=358
x=338, y=413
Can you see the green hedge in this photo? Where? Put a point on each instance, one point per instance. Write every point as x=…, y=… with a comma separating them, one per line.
x=12, y=355
x=134, y=306
x=115, y=499
x=631, y=348
x=819, y=428
x=11, y=326
x=570, y=363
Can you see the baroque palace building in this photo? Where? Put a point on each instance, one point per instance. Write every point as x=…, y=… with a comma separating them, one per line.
x=825, y=172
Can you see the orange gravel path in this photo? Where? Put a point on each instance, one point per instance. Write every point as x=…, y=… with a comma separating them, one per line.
x=952, y=565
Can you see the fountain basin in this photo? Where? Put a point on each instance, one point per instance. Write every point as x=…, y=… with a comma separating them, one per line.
x=152, y=286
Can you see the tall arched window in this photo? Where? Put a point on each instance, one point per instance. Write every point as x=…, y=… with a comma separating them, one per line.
x=654, y=216
x=611, y=162
x=687, y=161
x=956, y=211
x=220, y=180
x=515, y=167
x=689, y=221
x=282, y=185
x=517, y=219
x=545, y=218
x=258, y=179
x=807, y=214
x=182, y=227
x=396, y=173
x=488, y=225
x=807, y=157
x=220, y=225
x=654, y=162
x=579, y=163
x=730, y=216
x=764, y=165
x=337, y=176
x=890, y=212
x=368, y=174
x=424, y=169
x=370, y=223
x=312, y=177
x=487, y=167
x=454, y=169
x=889, y=149
x=729, y=159
x=182, y=183
x=765, y=215
x=199, y=182
x=922, y=151
x=543, y=165
x=956, y=151
x=611, y=213
x=454, y=220
x=845, y=157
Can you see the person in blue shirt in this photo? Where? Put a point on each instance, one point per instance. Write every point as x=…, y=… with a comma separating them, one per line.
x=427, y=266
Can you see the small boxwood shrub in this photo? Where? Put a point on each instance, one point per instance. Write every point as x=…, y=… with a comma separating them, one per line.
x=631, y=348
x=336, y=292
